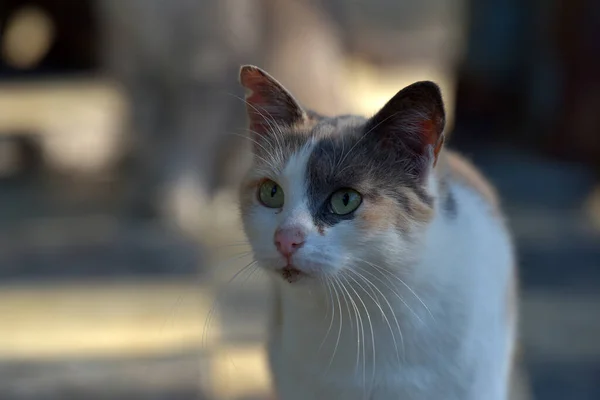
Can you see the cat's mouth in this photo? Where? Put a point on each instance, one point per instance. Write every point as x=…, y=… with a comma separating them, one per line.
x=291, y=274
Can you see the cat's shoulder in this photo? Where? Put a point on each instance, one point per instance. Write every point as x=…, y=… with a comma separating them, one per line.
x=455, y=167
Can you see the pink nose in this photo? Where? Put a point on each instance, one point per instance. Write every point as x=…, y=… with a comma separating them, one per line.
x=288, y=240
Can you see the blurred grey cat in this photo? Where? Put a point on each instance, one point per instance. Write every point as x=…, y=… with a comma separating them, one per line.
x=176, y=61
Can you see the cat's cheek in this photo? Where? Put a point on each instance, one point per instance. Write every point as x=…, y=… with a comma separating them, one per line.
x=376, y=217
x=259, y=225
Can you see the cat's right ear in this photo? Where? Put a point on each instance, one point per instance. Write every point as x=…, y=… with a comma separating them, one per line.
x=268, y=104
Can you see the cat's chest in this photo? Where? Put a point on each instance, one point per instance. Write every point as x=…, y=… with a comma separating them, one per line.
x=295, y=382
x=332, y=356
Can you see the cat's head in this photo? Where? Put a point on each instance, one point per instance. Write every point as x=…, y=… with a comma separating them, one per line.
x=326, y=194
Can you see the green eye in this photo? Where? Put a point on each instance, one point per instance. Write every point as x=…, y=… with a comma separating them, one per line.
x=270, y=194
x=345, y=201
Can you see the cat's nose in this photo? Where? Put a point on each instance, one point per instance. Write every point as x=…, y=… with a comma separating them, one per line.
x=288, y=240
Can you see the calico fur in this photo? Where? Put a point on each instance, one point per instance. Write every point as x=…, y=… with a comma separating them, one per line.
x=413, y=295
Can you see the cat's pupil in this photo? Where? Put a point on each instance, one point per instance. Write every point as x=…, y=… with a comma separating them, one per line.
x=274, y=191
x=346, y=199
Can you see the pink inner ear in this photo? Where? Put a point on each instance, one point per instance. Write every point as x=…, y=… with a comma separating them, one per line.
x=255, y=109
x=432, y=136
x=268, y=103
x=250, y=77
x=429, y=131
x=253, y=81
x=256, y=83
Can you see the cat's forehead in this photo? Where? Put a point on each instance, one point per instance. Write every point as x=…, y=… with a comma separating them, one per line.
x=331, y=127
x=316, y=128
x=317, y=133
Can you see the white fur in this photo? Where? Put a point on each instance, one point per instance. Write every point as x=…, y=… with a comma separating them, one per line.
x=448, y=296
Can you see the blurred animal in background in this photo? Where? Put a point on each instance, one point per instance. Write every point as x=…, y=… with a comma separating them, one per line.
x=176, y=61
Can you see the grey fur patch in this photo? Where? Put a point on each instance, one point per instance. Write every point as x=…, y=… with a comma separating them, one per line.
x=450, y=206
x=447, y=200
x=347, y=156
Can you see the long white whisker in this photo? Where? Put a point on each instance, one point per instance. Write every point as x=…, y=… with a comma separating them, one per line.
x=268, y=118
x=269, y=163
x=332, y=315
x=359, y=322
x=390, y=273
x=273, y=126
x=372, y=285
x=275, y=147
x=337, y=341
x=232, y=244
x=347, y=303
x=235, y=257
x=218, y=298
x=370, y=328
x=402, y=282
x=252, y=271
x=391, y=288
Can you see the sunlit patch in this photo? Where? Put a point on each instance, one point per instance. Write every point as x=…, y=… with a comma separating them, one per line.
x=28, y=36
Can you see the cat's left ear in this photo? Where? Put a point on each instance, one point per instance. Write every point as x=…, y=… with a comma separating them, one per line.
x=268, y=104
x=412, y=125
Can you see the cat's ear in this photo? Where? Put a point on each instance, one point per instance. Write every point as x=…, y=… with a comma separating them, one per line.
x=412, y=125
x=268, y=104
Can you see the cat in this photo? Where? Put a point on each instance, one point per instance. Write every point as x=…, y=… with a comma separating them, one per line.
x=392, y=268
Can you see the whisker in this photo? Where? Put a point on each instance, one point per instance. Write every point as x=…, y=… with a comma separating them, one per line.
x=273, y=126
x=234, y=257
x=252, y=271
x=371, y=284
x=344, y=276
x=328, y=299
x=218, y=298
x=402, y=282
x=268, y=118
x=229, y=245
x=359, y=322
x=272, y=163
x=394, y=292
x=337, y=342
x=332, y=317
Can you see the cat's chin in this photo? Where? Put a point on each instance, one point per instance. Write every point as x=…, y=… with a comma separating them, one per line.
x=292, y=274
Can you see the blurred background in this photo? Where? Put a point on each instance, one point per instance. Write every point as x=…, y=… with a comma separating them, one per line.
x=121, y=145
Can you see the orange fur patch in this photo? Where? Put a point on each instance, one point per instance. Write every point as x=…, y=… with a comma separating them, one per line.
x=418, y=210
x=464, y=172
x=378, y=215
x=385, y=212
